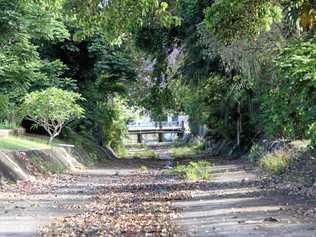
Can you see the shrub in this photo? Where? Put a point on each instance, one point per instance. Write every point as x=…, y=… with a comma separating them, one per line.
x=193, y=171
x=275, y=163
x=312, y=135
x=52, y=109
x=255, y=153
x=9, y=117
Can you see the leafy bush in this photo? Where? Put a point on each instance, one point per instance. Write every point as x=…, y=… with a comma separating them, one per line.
x=121, y=151
x=275, y=163
x=255, y=153
x=312, y=135
x=9, y=117
x=199, y=170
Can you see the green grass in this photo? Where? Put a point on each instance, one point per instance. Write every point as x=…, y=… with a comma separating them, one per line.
x=143, y=153
x=139, y=151
x=146, y=154
x=275, y=163
x=47, y=166
x=23, y=143
x=122, y=151
x=200, y=170
x=143, y=169
x=185, y=151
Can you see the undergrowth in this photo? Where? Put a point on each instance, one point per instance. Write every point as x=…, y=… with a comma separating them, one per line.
x=200, y=170
x=189, y=149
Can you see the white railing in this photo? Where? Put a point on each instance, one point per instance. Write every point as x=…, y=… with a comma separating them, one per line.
x=153, y=125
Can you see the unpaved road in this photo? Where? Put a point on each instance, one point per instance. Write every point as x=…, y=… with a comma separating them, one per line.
x=235, y=205
x=232, y=204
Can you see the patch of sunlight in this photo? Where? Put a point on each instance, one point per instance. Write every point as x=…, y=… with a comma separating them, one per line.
x=300, y=143
x=233, y=191
x=23, y=143
x=214, y=211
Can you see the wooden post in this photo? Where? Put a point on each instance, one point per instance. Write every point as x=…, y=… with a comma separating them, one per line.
x=180, y=134
x=139, y=138
x=238, y=129
x=182, y=125
x=160, y=137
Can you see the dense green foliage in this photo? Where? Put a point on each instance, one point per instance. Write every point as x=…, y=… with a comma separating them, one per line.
x=37, y=51
x=289, y=106
x=232, y=20
x=23, y=23
x=9, y=114
x=243, y=68
x=115, y=19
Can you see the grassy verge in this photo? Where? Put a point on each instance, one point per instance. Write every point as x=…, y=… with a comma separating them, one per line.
x=200, y=170
x=186, y=151
x=275, y=163
x=23, y=143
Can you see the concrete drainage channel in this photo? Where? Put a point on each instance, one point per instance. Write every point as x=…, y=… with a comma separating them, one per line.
x=231, y=204
x=19, y=165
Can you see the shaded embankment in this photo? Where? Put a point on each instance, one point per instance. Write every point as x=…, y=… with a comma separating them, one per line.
x=24, y=165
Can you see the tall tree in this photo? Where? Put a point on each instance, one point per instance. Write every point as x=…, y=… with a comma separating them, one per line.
x=22, y=23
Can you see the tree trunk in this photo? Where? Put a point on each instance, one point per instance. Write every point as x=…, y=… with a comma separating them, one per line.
x=238, y=124
x=51, y=138
x=99, y=135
